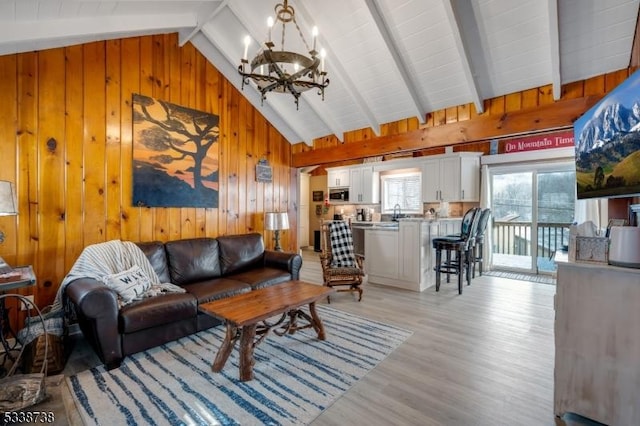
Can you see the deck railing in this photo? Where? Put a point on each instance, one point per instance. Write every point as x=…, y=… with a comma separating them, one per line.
x=511, y=237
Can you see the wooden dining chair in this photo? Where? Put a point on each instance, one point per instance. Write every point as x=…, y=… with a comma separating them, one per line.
x=341, y=267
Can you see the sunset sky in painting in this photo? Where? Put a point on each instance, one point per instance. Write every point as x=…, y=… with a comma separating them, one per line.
x=181, y=168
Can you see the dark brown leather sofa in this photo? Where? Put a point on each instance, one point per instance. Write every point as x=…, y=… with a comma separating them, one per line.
x=207, y=268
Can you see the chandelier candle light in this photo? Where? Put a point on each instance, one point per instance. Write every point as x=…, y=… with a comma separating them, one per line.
x=284, y=71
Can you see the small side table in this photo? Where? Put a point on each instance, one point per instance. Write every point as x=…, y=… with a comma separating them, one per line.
x=26, y=278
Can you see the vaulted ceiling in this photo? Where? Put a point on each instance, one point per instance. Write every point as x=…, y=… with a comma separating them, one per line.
x=387, y=59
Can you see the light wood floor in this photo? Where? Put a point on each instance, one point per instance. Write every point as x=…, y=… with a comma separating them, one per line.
x=481, y=358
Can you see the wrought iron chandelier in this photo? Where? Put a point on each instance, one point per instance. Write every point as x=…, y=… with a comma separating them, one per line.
x=284, y=71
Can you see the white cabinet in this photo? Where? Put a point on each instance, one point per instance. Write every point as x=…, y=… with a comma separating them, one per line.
x=449, y=226
x=381, y=253
x=597, y=343
x=470, y=178
x=364, y=185
x=408, y=253
x=431, y=181
x=451, y=177
x=338, y=177
x=401, y=258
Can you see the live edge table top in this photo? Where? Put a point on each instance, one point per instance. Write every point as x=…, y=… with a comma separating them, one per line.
x=264, y=303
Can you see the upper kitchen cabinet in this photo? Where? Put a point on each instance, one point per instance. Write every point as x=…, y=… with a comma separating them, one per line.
x=338, y=177
x=364, y=185
x=431, y=180
x=451, y=177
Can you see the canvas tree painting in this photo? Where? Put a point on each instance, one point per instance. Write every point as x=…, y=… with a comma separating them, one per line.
x=175, y=155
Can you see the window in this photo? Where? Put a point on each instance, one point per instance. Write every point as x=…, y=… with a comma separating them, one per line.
x=403, y=189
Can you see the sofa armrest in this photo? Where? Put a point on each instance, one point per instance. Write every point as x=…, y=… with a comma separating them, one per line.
x=97, y=308
x=291, y=262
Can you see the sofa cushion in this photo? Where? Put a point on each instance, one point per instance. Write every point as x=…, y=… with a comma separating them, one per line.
x=262, y=277
x=154, y=250
x=193, y=260
x=241, y=252
x=218, y=288
x=156, y=311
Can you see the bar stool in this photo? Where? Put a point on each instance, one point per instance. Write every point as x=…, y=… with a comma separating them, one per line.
x=460, y=246
x=478, y=247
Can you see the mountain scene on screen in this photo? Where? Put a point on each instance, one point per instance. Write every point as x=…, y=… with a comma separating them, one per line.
x=607, y=142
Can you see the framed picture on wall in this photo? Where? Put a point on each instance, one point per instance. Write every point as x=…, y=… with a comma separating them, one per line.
x=175, y=155
x=318, y=195
x=264, y=173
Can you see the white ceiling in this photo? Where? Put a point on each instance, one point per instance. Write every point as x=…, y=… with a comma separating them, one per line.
x=387, y=59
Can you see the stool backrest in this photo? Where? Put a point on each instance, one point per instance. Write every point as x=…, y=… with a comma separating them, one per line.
x=482, y=222
x=469, y=223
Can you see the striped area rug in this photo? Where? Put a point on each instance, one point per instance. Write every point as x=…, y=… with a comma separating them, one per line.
x=296, y=377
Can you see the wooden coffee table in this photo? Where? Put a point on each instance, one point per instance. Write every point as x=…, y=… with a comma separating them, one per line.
x=246, y=316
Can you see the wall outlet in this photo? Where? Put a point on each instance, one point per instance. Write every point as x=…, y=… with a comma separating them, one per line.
x=23, y=306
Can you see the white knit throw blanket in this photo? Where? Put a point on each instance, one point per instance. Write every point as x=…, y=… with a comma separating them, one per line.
x=111, y=257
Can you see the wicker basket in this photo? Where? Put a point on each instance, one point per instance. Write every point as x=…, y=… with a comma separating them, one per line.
x=19, y=391
x=36, y=351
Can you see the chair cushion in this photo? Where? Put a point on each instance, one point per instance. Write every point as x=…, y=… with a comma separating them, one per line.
x=218, y=288
x=157, y=310
x=262, y=277
x=345, y=271
x=449, y=243
x=342, y=255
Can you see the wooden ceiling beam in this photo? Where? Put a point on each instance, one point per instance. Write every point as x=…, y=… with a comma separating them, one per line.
x=558, y=115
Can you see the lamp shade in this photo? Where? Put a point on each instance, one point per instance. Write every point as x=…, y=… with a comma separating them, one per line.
x=276, y=221
x=8, y=200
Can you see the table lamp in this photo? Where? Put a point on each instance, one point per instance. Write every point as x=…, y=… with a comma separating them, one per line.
x=8, y=207
x=276, y=221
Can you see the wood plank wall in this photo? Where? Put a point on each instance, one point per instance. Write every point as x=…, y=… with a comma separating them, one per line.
x=66, y=141
x=596, y=86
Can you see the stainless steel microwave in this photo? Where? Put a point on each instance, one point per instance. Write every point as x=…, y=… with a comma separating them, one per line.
x=339, y=194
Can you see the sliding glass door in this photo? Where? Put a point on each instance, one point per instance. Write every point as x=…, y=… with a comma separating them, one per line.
x=533, y=207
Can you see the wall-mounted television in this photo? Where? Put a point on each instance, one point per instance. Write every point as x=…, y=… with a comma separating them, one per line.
x=607, y=140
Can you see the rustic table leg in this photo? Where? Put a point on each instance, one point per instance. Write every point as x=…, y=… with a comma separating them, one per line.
x=316, y=322
x=293, y=321
x=226, y=348
x=246, y=352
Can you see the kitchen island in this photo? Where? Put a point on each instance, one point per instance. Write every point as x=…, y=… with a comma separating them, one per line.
x=401, y=255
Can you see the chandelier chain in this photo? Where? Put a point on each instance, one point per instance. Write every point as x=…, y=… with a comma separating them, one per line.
x=301, y=34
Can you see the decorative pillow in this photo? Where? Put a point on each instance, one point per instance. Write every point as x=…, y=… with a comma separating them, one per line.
x=130, y=284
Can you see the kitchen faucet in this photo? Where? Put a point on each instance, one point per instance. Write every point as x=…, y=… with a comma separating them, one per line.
x=396, y=215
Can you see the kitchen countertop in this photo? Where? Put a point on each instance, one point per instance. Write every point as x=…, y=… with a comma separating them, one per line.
x=422, y=219
x=393, y=226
